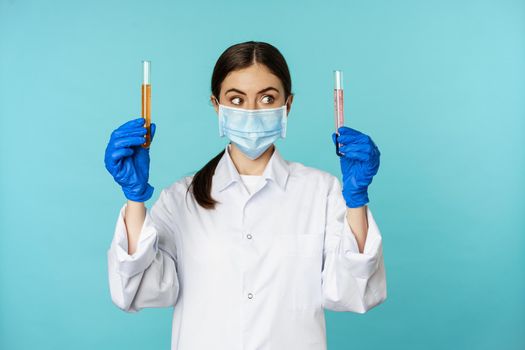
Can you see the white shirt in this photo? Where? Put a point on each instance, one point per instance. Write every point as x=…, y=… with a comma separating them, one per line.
x=251, y=182
x=257, y=271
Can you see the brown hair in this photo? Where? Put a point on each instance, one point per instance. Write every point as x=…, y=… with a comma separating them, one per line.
x=236, y=57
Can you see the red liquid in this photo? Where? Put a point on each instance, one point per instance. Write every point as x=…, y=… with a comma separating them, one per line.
x=338, y=109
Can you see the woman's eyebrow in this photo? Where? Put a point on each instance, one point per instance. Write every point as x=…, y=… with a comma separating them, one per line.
x=242, y=93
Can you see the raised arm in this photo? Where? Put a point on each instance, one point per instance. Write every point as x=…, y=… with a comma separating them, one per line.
x=144, y=273
x=134, y=217
x=351, y=280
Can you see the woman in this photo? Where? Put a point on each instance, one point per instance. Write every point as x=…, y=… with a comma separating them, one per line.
x=251, y=248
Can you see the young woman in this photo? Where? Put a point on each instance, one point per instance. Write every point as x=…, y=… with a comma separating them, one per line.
x=251, y=248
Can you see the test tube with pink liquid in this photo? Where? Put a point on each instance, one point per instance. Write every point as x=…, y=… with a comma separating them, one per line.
x=338, y=106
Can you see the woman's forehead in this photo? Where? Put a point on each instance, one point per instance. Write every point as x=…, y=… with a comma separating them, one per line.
x=251, y=79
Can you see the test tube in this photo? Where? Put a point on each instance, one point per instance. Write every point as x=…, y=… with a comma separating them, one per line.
x=338, y=105
x=146, y=101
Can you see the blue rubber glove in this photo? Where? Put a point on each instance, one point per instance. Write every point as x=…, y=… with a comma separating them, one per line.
x=128, y=162
x=359, y=164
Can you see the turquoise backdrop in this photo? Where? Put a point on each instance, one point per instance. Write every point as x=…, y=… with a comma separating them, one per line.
x=439, y=86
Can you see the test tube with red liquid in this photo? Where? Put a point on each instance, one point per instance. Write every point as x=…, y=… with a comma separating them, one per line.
x=146, y=101
x=338, y=106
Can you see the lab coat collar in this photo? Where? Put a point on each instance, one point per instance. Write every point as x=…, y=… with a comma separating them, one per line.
x=225, y=173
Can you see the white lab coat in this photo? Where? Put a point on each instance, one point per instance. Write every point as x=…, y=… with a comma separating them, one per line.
x=257, y=271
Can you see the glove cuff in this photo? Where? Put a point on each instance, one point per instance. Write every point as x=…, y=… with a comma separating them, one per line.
x=138, y=193
x=356, y=198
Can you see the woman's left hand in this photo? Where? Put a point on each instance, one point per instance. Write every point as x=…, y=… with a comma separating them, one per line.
x=359, y=164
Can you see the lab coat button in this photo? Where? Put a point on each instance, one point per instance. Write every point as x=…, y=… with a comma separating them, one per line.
x=250, y=295
x=249, y=236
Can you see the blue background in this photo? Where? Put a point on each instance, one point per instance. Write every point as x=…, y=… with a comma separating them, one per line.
x=438, y=85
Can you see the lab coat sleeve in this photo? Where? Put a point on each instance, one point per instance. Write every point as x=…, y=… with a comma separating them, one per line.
x=148, y=278
x=351, y=281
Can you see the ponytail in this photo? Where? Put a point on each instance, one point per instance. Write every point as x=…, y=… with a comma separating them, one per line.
x=202, y=182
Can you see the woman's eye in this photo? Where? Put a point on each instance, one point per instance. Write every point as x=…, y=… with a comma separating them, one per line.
x=235, y=99
x=268, y=98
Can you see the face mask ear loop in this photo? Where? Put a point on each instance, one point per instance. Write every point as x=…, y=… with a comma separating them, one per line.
x=284, y=122
x=221, y=118
x=221, y=122
x=284, y=119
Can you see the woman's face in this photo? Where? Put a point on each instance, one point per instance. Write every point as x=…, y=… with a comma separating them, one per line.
x=254, y=87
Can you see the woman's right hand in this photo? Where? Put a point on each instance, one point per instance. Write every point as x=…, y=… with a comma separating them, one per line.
x=128, y=162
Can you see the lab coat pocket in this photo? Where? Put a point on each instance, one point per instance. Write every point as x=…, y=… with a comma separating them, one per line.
x=301, y=256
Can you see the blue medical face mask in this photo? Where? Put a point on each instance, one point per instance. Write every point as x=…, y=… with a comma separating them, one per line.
x=252, y=130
